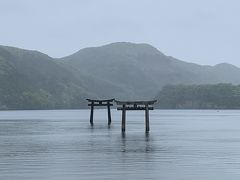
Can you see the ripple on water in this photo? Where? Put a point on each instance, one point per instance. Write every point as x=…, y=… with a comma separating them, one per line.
x=61, y=145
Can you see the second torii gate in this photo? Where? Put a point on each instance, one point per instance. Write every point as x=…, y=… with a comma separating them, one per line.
x=135, y=105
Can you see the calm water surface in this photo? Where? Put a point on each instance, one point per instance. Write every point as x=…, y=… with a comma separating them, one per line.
x=61, y=145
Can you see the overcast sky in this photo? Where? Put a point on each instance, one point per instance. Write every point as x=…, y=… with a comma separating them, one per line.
x=199, y=31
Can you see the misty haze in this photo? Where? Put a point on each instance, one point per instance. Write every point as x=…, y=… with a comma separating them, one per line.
x=119, y=89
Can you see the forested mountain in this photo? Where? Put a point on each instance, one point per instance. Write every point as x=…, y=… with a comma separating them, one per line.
x=33, y=80
x=219, y=96
x=139, y=71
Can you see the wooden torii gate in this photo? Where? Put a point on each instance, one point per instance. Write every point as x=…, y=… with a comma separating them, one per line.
x=106, y=102
x=135, y=105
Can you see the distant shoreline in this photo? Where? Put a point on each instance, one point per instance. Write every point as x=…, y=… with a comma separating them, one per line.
x=104, y=109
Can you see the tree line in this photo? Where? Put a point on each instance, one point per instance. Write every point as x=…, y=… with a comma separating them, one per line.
x=218, y=96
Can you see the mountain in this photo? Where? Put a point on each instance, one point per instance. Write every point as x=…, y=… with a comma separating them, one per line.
x=126, y=71
x=120, y=70
x=138, y=71
x=32, y=80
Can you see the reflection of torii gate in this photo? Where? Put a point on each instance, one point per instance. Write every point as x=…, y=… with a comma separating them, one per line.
x=135, y=105
x=106, y=102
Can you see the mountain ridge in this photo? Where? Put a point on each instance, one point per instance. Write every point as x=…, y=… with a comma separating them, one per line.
x=127, y=71
x=114, y=43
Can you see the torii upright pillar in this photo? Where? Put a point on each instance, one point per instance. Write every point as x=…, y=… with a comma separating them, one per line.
x=106, y=102
x=135, y=105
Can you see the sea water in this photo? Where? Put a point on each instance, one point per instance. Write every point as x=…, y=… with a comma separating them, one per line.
x=61, y=145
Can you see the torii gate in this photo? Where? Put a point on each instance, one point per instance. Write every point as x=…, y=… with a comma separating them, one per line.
x=106, y=102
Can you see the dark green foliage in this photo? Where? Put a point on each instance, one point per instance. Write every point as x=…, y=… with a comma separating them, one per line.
x=129, y=71
x=32, y=80
x=220, y=96
x=125, y=71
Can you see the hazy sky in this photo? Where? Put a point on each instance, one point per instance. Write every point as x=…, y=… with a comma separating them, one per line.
x=199, y=31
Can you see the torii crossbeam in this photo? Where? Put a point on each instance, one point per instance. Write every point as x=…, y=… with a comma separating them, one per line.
x=135, y=105
x=96, y=102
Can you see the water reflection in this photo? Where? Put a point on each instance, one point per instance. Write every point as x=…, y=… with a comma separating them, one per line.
x=180, y=145
x=136, y=143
